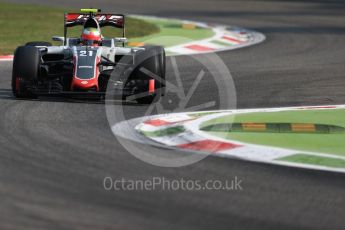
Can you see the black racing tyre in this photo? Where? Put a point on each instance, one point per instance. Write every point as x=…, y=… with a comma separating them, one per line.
x=38, y=43
x=26, y=67
x=153, y=60
x=162, y=60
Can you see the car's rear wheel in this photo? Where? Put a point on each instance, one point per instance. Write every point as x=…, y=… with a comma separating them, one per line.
x=38, y=43
x=26, y=64
x=150, y=61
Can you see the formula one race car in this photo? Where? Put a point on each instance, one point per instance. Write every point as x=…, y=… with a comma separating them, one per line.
x=86, y=65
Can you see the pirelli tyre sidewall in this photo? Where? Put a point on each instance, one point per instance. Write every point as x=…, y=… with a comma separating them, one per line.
x=26, y=68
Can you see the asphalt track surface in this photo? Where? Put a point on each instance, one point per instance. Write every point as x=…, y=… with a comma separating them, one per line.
x=55, y=154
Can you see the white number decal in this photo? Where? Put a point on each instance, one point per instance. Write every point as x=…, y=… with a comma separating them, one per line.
x=83, y=53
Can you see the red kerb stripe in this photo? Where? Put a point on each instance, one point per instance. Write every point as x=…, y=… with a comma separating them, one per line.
x=231, y=39
x=208, y=146
x=156, y=122
x=199, y=48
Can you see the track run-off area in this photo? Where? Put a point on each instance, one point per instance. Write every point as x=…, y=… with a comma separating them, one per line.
x=281, y=136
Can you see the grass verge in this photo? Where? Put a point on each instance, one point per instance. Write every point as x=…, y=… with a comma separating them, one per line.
x=315, y=142
x=21, y=23
x=315, y=160
x=172, y=33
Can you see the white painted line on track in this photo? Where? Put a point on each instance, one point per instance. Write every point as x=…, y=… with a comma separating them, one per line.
x=6, y=58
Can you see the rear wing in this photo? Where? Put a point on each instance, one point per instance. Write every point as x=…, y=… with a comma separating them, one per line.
x=78, y=19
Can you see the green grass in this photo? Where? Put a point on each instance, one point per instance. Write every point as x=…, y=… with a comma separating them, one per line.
x=315, y=160
x=325, y=143
x=172, y=33
x=221, y=43
x=165, y=132
x=22, y=23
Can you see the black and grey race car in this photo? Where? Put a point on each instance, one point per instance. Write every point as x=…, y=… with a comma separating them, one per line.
x=78, y=68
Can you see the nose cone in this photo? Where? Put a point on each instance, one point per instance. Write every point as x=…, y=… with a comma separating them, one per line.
x=86, y=70
x=89, y=84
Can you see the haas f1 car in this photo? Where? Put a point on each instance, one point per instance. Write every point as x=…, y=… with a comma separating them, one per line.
x=86, y=65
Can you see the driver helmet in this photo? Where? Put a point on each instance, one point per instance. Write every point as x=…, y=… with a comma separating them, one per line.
x=91, y=36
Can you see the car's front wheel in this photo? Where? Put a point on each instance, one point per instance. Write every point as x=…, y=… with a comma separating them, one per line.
x=26, y=67
x=150, y=65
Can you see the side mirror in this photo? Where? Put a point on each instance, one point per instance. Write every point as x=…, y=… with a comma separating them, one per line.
x=58, y=39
